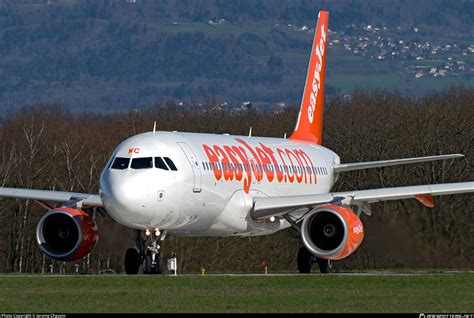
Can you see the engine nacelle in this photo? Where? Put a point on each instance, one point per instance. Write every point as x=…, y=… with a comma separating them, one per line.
x=66, y=234
x=332, y=232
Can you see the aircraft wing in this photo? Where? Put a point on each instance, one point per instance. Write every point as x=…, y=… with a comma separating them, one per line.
x=91, y=200
x=265, y=207
x=386, y=163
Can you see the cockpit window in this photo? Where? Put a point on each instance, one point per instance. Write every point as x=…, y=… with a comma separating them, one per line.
x=142, y=163
x=111, y=160
x=120, y=163
x=170, y=164
x=160, y=164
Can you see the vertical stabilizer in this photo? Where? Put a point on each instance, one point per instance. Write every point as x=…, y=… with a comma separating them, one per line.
x=310, y=119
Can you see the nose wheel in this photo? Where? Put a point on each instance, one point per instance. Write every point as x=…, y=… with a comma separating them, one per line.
x=146, y=254
x=151, y=266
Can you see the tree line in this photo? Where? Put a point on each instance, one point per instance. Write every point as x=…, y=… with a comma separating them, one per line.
x=44, y=146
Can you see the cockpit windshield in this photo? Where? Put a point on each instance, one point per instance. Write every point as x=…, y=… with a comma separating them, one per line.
x=160, y=164
x=163, y=163
x=142, y=163
x=170, y=163
x=120, y=163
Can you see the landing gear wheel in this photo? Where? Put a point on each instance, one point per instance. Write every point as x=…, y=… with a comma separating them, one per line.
x=157, y=266
x=147, y=253
x=149, y=267
x=325, y=265
x=305, y=260
x=132, y=261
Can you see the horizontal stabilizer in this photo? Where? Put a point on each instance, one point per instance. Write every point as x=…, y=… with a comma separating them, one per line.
x=386, y=163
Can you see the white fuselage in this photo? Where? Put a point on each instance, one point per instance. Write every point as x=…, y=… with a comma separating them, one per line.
x=216, y=178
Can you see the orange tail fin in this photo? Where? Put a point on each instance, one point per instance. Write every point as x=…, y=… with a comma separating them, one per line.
x=309, y=126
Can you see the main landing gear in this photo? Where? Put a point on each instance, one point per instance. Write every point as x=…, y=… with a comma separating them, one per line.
x=147, y=253
x=306, y=261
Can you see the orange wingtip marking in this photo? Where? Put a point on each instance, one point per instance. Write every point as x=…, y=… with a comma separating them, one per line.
x=425, y=199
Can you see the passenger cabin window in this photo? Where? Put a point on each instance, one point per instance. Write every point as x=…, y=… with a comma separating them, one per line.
x=160, y=164
x=142, y=163
x=120, y=163
x=170, y=163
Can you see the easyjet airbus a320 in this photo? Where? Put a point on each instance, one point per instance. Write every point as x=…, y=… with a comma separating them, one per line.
x=221, y=185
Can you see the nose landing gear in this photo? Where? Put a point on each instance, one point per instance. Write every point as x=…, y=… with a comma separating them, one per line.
x=146, y=254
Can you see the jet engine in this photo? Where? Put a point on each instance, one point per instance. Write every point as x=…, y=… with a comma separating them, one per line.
x=332, y=232
x=66, y=234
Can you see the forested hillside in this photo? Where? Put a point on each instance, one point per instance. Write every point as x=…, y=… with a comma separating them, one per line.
x=47, y=147
x=122, y=54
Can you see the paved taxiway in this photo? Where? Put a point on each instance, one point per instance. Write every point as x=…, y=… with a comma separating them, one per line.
x=373, y=273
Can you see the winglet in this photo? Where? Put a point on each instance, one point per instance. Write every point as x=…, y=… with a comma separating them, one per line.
x=309, y=126
x=425, y=199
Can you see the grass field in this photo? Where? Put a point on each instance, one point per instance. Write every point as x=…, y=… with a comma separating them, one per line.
x=313, y=293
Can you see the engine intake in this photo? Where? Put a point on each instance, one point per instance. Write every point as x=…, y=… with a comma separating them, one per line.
x=66, y=234
x=332, y=232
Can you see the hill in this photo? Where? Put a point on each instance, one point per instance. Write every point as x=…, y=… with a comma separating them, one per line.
x=116, y=55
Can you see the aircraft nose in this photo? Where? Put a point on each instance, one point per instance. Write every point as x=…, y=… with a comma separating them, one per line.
x=126, y=197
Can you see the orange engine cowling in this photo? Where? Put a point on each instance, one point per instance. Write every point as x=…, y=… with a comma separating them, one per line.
x=332, y=232
x=66, y=234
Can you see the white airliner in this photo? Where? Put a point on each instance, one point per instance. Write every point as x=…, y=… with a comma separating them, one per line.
x=222, y=185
